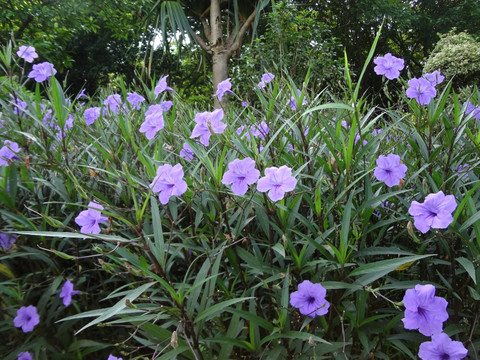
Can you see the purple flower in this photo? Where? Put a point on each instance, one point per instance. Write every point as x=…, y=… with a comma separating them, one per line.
x=240, y=174
x=460, y=170
x=113, y=103
x=111, y=357
x=376, y=131
x=293, y=102
x=82, y=94
x=470, y=108
x=345, y=125
x=244, y=104
x=390, y=170
x=277, y=181
x=169, y=182
x=442, y=347
x=27, y=317
x=435, y=212
x=166, y=105
x=357, y=138
x=27, y=53
x=25, y=356
x=42, y=71
x=424, y=311
x=19, y=106
x=91, y=114
x=8, y=152
x=68, y=292
x=7, y=240
x=266, y=78
x=90, y=218
x=421, y=90
x=208, y=123
x=187, y=152
x=162, y=86
x=389, y=66
x=310, y=299
x=135, y=100
x=224, y=87
x=153, y=121
x=240, y=131
x=434, y=78
x=261, y=130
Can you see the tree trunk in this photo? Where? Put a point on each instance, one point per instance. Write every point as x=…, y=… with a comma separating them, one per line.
x=219, y=73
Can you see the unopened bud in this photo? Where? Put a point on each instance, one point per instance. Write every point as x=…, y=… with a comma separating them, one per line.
x=311, y=342
x=174, y=340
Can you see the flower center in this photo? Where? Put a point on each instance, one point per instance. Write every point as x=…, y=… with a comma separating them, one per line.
x=311, y=300
x=445, y=357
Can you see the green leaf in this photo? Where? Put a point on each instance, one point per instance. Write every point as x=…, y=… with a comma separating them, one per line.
x=469, y=268
x=211, y=311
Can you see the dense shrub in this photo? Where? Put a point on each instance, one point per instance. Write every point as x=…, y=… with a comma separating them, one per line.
x=318, y=246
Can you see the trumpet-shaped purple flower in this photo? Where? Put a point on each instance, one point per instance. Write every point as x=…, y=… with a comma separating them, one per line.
x=153, y=121
x=224, y=87
x=90, y=218
x=421, y=90
x=187, y=152
x=91, y=114
x=277, y=181
x=293, y=102
x=19, y=106
x=208, y=123
x=27, y=317
x=135, y=100
x=266, y=78
x=169, y=182
x=111, y=357
x=162, y=86
x=24, y=356
x=240, y=174
x=435, y=77
x=41, y=72
x=27, y=53
x=310, y=299
x=260, y=130
x=242, y=130
x=7, y=240
x=389, y=66
x=441, y=348
x=435, y=212
x=469, y=109
x=390, y=170
x=424, y=311
x=8, y=152
x=67, y=293
x=113, y=103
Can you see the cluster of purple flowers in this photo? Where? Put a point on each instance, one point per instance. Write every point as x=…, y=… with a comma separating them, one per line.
x=40, y=72
x=426, y=312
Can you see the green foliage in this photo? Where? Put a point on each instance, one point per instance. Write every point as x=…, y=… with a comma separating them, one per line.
x=458, y=57
x=209, y=274
x=296, y=41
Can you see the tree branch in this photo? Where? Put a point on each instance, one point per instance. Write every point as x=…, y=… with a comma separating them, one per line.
x=203, y=45
x=206, y=29
x=238, y=40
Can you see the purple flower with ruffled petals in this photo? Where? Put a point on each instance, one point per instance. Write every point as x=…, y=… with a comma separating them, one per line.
x=7, y=240
x=435, y=212
x=135, y=100
x=41, y=72
x=277, y=181
x=154, y=121
x=224, y=87
x=435, y=77
x=111, y=357
x=91, y=114
x=260, y=130
x=89, y=219
x=27, y=317
x=390, y=170
x=113, y=103
x=208, y=123
x=24, y=356
x=68, y=292
x=310, y=299
x=266, y=78
x=162, y=86
x=470, y=108
x=241, y=131
x=421, y=90
x=424, y=311
x=442, y=348
x=169, y=182
x=240, y=174
x=27, y=53
x=389, y=66
x=293, y=102
x=8, y=152
x=187, y=152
